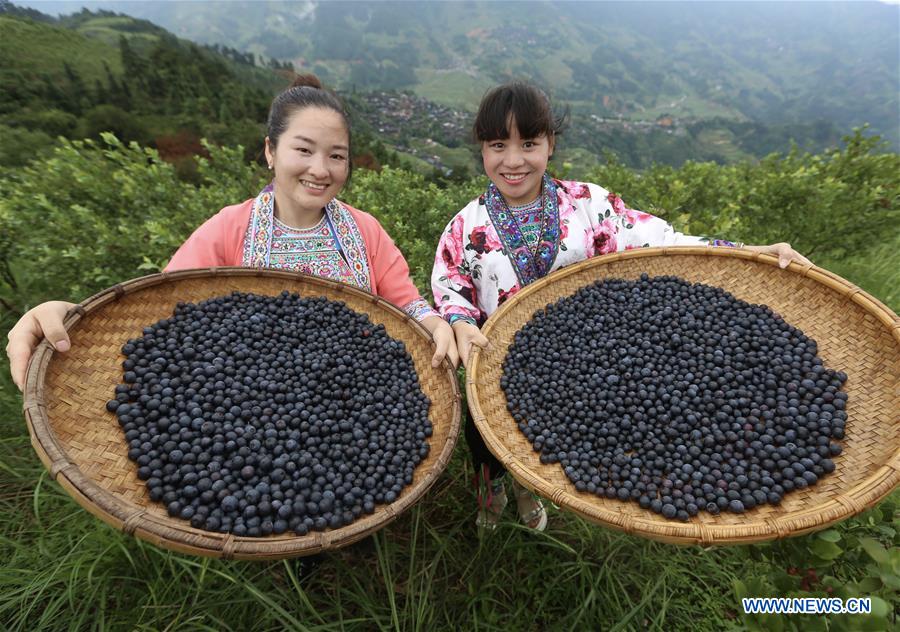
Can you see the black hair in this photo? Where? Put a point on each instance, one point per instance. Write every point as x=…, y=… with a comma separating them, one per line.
x=306, y=91
x=527, y=104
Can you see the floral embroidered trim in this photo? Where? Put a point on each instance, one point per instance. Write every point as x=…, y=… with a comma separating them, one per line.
x=245, y=252
x=256, y=254
x=351, y=242
x=419, y=309
x=258, y=238
x=725, y=243
x=529, y=265
x=530, y=218
x=311, y=250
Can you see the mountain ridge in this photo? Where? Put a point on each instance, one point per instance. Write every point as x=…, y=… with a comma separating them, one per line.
x=611, y=111
x=773, y=63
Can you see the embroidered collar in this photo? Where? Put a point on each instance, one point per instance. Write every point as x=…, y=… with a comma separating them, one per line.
x=345, y=230
x=317, y=227
x=537, y=204
x=529, y=265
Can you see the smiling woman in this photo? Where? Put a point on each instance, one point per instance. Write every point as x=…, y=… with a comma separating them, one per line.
x=522, y=228
x=295, y=223
x=311, y=164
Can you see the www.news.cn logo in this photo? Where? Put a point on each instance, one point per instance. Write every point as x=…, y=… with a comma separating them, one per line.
x=806, y=605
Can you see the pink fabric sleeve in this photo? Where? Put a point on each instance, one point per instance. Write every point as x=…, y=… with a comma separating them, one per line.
x=217, y=242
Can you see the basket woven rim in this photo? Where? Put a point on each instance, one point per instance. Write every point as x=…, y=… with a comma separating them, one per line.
x=176, y=534
x=861, y=497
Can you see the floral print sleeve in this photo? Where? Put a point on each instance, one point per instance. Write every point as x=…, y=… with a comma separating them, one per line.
x=621, y=228
x=452, y=277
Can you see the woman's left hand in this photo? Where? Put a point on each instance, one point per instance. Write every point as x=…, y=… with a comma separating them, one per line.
x=444, y=340
x=784, y=252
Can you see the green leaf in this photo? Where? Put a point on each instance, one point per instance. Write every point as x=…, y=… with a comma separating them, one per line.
x=740, y=589
x=890, y=580
x=825, y=550
x=782, y=581
x=841, y=623
x=772, y=622
x=865, y=623
x=885, y=530
x=752, y=623
x=829, y=536
x=868, y=585
x=880, y=607
x=812, y=624
x=875, y=550
x=874, y=515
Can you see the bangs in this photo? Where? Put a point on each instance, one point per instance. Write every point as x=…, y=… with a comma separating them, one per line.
x=519, y=103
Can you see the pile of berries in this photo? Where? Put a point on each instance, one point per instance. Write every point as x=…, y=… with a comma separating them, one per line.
x=256, y=415
x=674, y=395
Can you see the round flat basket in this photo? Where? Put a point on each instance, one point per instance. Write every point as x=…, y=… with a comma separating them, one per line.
x=85, y=450
x=855, y=333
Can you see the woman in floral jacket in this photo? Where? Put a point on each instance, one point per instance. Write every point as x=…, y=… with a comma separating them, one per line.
x=522, y=228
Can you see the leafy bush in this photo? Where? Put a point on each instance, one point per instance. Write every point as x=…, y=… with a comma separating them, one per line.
x=857, y=558
x=841, y=209
x=833, y=205
x=18, y=145
x=412, y=212
x=95, y=214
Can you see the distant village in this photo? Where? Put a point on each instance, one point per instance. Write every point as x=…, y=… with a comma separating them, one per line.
x=401, y=117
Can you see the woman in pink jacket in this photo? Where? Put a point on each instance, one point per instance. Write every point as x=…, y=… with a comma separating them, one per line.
x=295, y=223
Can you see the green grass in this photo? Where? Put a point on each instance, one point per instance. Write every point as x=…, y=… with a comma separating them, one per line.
x=31, y=47
x=877, y=271
x=452, y=88
x=111, y=35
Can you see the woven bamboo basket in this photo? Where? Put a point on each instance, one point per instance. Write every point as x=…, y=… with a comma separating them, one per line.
x=85, y=451
x=855, y=333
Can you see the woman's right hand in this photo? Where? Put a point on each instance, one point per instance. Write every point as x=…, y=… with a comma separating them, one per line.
x=43, y=321
x=467, y=335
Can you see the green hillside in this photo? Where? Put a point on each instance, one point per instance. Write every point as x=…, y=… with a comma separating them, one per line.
x=95, y=72
x=648, y=83
x=772, y=63
x=30, y=51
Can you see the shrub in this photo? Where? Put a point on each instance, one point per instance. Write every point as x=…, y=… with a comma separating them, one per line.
x=97, y=213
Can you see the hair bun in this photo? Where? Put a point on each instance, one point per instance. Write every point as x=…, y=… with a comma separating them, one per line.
x=306, y=80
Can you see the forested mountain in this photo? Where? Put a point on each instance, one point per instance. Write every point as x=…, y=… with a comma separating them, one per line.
x=645, y=82
x=90, y=73
x=778, y=64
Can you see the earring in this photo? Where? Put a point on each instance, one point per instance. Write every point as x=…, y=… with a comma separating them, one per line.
x=270, y=166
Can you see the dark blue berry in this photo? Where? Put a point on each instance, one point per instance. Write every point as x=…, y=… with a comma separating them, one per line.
x=705, y=401
x=235, y=406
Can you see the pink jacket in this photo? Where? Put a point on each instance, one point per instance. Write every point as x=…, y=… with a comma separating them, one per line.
x=220, y=242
